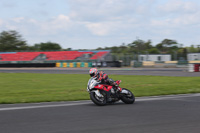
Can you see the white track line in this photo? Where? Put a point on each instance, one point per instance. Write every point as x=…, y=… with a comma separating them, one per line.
x=89, y=102
x=167, y=97
x=41, y=106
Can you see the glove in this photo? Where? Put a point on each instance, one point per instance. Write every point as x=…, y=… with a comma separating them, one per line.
x=115, y=84
x=100, y=79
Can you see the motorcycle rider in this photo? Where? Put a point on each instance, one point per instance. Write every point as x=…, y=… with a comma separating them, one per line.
x=103, y=77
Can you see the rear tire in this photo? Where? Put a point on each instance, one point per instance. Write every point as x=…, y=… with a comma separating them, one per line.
x=99, y=102
x=128, y=98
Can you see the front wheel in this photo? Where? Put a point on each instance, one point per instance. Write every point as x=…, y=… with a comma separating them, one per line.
x=128, y=98
x=101, y=101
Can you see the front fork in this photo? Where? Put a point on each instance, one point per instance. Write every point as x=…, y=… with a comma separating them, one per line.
x=98, y=93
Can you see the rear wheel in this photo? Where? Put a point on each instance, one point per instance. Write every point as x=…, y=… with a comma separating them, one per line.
x=128, y=98
x=101, y=101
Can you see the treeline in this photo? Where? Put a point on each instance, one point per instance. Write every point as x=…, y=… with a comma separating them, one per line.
x=13, y=41
x=167, y=46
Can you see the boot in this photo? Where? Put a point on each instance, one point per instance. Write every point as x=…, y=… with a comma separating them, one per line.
x=118, y=89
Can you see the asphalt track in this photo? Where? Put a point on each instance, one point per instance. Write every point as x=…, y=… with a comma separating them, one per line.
x=167, y=114
x=117, y=71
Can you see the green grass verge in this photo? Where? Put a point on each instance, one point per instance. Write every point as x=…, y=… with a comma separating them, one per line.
x=27, y=87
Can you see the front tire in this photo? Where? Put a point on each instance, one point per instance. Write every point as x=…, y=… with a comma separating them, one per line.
x=98, y=101
x=128, y=98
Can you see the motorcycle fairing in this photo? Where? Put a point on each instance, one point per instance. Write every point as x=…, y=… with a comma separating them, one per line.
x=103, y=87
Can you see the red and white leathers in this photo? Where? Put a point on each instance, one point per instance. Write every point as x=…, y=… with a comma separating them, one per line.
x=103, y=77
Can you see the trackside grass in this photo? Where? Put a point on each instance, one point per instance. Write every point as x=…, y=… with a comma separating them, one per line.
x=27, y=87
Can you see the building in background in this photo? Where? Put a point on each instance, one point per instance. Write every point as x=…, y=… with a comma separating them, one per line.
x=193, y=56
x=154, y=57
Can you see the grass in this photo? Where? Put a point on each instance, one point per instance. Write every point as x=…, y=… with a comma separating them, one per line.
x=27, y=87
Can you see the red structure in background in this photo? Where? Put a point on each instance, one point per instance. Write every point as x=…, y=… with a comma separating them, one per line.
x=196, y=67
x=98, y=55
x=53, y=55
x=19, y=56
x=64, y=55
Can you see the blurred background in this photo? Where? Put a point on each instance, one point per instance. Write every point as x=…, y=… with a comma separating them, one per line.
x=107, y=33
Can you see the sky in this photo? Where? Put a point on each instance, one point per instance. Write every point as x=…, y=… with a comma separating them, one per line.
x=89, y=24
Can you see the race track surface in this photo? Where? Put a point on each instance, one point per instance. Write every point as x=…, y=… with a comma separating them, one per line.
x=167, y=114
x=117, y=71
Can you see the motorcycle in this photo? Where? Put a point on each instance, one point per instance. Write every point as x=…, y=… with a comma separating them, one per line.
x=102, y=94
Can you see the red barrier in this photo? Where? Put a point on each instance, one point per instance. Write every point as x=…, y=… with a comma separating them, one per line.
x=196, y=67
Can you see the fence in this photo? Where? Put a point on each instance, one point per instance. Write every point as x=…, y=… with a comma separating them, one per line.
x=74, y=64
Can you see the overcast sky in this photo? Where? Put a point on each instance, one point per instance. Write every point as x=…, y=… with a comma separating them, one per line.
x=98, y=23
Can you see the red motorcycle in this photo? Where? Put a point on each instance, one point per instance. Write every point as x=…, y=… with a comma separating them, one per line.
x=101, y=94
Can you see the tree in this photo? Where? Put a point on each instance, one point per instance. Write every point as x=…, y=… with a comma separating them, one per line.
x=153, y=51
x=12, y=40
x=182, y=52
x=123, y=48
x=68, y=49
x=47, y=46
x=192, y=49
x=167, y=45
x=140, y=46
x=115, y=49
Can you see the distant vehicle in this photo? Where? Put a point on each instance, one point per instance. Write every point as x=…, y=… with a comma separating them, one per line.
x=101, y=94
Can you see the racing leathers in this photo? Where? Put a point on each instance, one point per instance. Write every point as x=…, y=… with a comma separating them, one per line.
x=103, y=78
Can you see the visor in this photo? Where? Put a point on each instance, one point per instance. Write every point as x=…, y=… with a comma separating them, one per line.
x=92, y=75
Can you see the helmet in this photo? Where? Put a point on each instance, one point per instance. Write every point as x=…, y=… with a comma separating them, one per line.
x=93, y=72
